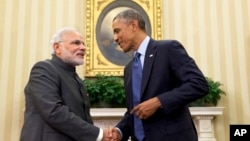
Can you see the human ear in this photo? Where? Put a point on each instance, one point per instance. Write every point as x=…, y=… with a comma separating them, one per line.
x=57, y=48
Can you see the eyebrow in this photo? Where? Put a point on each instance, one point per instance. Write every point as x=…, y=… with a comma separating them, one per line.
x=77, y=42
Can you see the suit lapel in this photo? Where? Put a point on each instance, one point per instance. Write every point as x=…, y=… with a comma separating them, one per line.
x=148, y=62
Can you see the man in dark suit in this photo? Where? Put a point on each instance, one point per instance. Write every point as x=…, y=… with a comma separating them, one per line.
x=57, y=104
x=170, y=81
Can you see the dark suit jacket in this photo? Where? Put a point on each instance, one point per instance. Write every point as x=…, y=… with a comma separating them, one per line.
x=57, y=106
x=172, y=76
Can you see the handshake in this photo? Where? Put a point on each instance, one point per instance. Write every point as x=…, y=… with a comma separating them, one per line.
x=111, y=134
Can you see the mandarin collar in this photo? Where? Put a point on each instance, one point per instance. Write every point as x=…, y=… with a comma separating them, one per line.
x=62, y=64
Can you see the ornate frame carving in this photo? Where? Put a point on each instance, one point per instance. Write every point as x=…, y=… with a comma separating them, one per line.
x=97, y=13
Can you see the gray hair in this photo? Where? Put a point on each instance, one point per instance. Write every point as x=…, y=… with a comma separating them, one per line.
x=57, y=37
x=129, y=15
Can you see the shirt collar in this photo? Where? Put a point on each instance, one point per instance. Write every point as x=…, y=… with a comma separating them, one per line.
x=62, y=64
x=143, y=46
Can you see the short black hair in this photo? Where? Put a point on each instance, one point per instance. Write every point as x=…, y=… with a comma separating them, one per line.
x=131, y=14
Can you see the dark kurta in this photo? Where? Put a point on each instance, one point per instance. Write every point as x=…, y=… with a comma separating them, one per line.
x=57, y=105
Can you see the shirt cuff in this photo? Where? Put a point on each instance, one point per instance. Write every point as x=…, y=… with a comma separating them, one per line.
x=99, y=138
x=119, y=131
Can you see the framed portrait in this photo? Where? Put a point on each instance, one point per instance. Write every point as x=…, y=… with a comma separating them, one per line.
x=103, y=56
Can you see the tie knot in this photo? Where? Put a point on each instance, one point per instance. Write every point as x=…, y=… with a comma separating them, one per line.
x=137, y=55
x=137, y=61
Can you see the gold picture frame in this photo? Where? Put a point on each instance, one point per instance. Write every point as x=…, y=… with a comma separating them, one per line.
x=102, y=55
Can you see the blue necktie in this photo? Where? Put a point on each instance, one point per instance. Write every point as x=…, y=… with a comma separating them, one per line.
x=136, y=83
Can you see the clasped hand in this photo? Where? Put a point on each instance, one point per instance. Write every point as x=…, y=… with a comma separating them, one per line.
x=111, y=134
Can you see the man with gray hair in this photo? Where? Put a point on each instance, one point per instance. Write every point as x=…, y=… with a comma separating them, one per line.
x=57, y=104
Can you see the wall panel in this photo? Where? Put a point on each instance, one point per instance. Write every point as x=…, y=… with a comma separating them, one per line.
x=217, y=36
x=25, y=31
x=216, y=33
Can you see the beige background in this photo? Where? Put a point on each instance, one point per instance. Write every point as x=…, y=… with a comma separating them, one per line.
x=216, y=33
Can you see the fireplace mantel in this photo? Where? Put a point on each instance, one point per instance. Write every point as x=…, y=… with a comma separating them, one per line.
x=203, y=118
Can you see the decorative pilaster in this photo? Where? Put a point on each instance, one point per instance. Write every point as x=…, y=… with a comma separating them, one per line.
x=204, y=121
x=204, y=127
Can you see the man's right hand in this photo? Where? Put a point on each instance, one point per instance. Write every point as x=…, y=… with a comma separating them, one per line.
x=111, y=135
x=115, y=134
x=107, y=135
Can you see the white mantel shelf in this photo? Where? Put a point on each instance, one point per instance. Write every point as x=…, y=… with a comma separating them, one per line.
x=214, y=111
x=107, y=112
x=119, y=112
x=203, y=118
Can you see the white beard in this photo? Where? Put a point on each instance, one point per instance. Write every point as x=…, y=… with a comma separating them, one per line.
x=70, y=58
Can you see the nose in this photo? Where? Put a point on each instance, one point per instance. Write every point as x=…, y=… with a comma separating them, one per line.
x=116, y=38
x=83, y=47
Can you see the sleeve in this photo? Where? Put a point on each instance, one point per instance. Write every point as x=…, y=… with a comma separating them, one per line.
x=44, y=91
x=123, y=127
x=100, y=135
x=192, y=84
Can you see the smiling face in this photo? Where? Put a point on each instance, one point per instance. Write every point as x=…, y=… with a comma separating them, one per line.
x=124, y=34
x=71, y=49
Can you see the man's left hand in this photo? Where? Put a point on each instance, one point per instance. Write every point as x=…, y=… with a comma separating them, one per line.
x=146, y=108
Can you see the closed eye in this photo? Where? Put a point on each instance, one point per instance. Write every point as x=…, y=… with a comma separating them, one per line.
x=116, y=31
